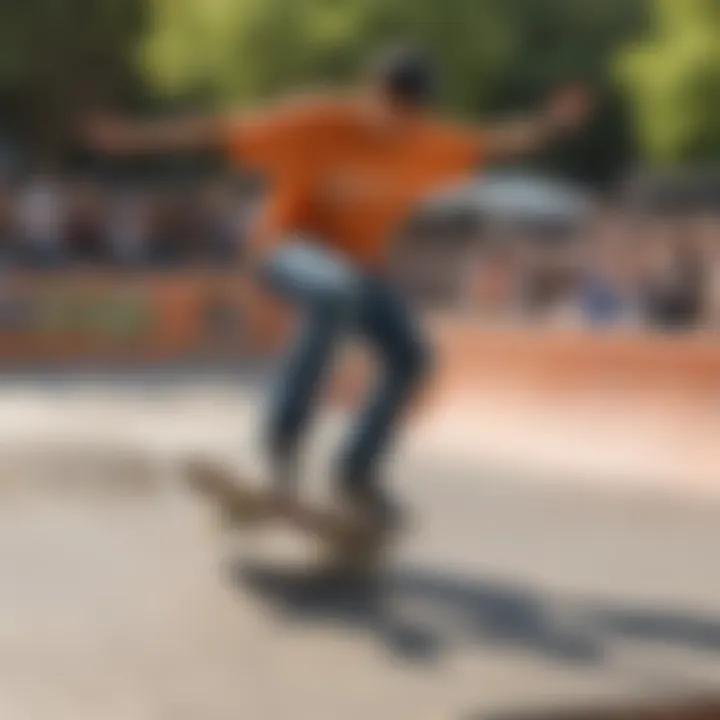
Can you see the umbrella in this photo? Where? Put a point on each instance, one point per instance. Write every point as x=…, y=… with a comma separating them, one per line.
x=515, y=200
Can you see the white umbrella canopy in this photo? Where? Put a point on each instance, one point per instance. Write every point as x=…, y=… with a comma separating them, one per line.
x=514, y=199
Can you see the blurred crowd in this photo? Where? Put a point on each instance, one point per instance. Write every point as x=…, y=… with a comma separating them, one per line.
x=619, y=270
x=622, y=270
x=46, y=223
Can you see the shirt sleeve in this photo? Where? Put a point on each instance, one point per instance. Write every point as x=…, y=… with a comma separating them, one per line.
x=276, y=137
x=454, y=150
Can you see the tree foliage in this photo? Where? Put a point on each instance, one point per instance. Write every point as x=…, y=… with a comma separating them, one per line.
x=494, y=56
x=673, y=79
x=59, y=55
x=490, y=51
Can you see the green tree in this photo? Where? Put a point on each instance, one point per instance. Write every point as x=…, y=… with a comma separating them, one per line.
x=494, y=55
x=491, y=52
x=673, y=79
x=245, y=49
x=59, y=55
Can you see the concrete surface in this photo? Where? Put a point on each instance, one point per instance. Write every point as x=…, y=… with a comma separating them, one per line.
x=121, y=600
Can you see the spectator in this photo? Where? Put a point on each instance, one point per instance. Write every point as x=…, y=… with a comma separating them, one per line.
x=127, y=228
x=85, y=211
x=8, y=246
x=549, y=279
x=162, y=245
x=713, y=289
x=492, y=280
x=40, y=221
x=709, y=234
x=223, y=221
x=674, y=286
x=605, y=295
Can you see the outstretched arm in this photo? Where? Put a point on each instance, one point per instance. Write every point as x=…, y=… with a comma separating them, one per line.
x=259, y=139
x=124, y=137
x=566, y=111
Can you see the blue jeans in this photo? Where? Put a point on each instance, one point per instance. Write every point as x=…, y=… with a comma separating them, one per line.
x=337, y=301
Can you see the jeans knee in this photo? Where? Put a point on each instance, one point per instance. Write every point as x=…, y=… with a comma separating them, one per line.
x=417, y=362
x=336, y=301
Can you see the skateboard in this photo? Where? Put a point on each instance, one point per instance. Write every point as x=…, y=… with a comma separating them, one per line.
x=351, y=544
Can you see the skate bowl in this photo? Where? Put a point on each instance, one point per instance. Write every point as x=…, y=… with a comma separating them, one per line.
x=524, y=590
x=121, y=600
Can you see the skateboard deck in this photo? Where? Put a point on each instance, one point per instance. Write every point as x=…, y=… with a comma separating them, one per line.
x=351, y=542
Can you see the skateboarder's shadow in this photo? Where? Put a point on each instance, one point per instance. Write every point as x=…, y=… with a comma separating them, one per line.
x=417, y=615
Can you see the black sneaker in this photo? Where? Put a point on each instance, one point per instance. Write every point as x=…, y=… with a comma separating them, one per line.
x=373, y=505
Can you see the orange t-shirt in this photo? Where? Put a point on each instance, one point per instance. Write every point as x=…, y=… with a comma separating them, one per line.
x=340, y=177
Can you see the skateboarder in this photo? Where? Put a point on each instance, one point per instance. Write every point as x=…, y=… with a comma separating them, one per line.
x=344, y=172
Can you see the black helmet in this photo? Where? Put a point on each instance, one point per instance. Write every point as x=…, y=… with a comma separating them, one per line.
x=406, y=74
